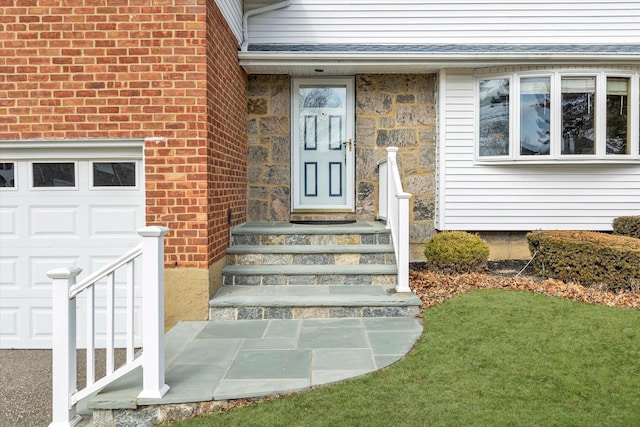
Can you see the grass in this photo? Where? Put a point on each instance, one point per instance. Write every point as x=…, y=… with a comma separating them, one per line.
x=486, y=358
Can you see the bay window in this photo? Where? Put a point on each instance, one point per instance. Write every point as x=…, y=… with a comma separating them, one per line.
x=556, y=115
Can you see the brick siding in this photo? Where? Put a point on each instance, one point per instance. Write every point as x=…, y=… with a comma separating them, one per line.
x=80, y=69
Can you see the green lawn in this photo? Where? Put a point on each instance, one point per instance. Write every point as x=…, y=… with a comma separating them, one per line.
x=486, y=358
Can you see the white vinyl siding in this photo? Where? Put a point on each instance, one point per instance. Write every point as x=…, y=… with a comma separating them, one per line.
x=512, y=197
x=232, y=12
x=448, y=22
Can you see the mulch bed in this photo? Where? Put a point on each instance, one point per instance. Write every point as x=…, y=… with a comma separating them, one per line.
x=434, y=288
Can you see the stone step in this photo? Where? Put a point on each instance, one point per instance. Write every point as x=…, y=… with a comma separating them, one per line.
x=310, y=302
x=284, y=233
x=310, y=254
x=327, y=274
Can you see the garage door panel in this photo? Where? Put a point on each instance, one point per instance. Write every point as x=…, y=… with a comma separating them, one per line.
x=9, y=222
x=8, y=275
x=54, y=222
x=9, y=322
x=41, y=321
x=114, y=221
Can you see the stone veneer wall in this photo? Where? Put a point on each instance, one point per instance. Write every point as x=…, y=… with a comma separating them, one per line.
x=391, y=110
x=269, y=149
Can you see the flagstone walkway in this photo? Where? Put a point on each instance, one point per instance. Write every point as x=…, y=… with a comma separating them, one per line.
x=252, y=358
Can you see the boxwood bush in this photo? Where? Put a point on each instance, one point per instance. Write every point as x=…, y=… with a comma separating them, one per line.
x=586, y=257
x=627, y=226
x=456, y=252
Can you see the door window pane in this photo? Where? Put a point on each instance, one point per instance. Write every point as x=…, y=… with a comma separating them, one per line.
x=535, y=117
x=578, y=115
x=494, y=117
x=114, y=174
x=7, y=175
x=617, y=115
x=54, y=175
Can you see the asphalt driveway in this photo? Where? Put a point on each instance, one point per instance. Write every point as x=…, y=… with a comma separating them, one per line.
x=25, y=388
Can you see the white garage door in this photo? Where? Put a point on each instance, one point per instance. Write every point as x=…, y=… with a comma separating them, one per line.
x=63, y=204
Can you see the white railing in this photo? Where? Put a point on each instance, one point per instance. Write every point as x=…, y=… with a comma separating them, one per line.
x=65, y=294
x=393, y=207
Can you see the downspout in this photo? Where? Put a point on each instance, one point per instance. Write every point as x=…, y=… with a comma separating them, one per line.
x=258, y=11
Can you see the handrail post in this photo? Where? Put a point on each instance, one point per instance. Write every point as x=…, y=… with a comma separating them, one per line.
x=403, y=242
x=153, y=385
x=64, y=347
x=391, y=163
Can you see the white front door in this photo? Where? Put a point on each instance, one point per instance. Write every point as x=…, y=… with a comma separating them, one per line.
x=323, y=148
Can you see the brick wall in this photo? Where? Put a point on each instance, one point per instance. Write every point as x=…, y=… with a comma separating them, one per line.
x=79, y=69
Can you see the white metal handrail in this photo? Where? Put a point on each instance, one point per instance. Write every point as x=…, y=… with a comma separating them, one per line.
x=151, y=358
x=393, y=207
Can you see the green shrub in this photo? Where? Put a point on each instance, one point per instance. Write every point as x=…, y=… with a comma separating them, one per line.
x=627, y=226
x=586, y=257
x=456, y=252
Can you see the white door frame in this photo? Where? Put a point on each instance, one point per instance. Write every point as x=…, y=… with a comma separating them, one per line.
x=349, y=145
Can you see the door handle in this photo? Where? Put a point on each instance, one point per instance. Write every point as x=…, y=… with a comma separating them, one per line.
x=350, y=143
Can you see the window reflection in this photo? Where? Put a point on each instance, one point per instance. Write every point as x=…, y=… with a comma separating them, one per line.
x=7, y=175
x=617, y=115
x=54, y=175
x=535, y=116
x=494, y=117
x=114, y=174
x=578, y=115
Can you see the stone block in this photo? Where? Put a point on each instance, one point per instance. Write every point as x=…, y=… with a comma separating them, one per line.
x=250, y=313
x=347, y=259
x=311, y=312
x=277, y=313
x=373, y=103
x=330, y=279
x=384, y=312
x=423, y=208
x=272, y=239
x=274, y=280
x=372, y=259
x=281, y=151
x=257, y=154
x=383, y=280
x=357, y=279
x=313, y=259
x=297, y=239
x=406, y=99
x=277, y=259
x=257, y=106
x=343, y=312
x=396, y=138
x=222, y=313
x=247, y=280
x=274, y=125
x=420, y=184
x=322, y=239
x=348, y=239
x=277, y=174
x=415, y=115
x=365, y=132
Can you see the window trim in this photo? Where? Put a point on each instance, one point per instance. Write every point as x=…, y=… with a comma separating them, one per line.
x=556, y=74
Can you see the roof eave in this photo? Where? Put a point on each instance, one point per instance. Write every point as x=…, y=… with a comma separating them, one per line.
x=394, y=62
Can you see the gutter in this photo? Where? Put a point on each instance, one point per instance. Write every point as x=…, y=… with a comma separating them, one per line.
x=254, y=12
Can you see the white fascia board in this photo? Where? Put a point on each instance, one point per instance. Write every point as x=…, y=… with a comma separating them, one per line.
x=397, y=61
